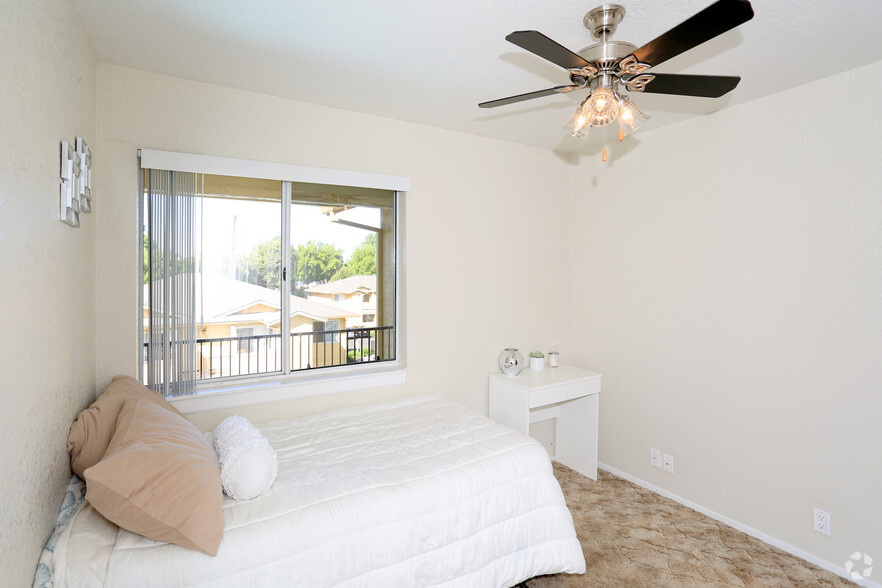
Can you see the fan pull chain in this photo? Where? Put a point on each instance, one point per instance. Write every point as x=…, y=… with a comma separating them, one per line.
x=604, y=143
x=621, y=134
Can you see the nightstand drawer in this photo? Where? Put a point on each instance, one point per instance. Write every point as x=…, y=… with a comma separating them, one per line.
x=563, y=392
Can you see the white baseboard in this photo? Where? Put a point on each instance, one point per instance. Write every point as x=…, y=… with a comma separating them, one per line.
x=838, y=570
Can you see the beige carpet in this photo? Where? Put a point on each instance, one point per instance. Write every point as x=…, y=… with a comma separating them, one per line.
x=633, y=537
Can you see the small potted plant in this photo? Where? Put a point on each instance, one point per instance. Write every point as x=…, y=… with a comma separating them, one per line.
x=537, y=360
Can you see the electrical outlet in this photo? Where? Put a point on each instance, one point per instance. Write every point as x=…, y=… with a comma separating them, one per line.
x=654, y=458
x=669, y=463
x=821, y=521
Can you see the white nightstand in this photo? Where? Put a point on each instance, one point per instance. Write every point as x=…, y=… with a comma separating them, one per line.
x=565, y=393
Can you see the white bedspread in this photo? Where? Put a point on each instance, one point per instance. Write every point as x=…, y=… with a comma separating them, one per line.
x=412, y=492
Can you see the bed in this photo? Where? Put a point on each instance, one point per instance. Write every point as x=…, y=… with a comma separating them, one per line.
x=415, y=491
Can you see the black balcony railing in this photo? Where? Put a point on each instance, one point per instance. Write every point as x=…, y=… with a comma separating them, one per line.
x=225, y=357
x=238, y=356
x=317, y=349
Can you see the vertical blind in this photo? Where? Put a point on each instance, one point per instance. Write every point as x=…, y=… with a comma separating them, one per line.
x=171, y=345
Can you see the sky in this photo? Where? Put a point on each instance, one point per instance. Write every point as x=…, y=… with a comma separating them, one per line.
x=256, y=222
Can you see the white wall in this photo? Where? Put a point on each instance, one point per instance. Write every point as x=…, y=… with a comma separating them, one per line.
x=729, y=273
x=47, y=289
x=487, y=262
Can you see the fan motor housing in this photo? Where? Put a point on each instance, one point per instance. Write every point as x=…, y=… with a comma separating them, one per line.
x=606, y=52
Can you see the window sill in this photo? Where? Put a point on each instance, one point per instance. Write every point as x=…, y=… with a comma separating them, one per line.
x=239, y=394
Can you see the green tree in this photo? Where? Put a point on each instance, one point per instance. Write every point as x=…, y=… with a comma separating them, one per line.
x=363, y=261
x=317, y=261
x=262, y=265
x=179, y=265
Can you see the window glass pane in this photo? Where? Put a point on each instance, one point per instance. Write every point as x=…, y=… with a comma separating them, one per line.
x=239, y=285
x=238, y=276
x=342, y=263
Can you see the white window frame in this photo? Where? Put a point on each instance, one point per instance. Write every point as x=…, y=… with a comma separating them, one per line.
x=218, y=395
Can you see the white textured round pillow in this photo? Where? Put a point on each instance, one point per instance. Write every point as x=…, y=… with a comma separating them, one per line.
x=248, y=464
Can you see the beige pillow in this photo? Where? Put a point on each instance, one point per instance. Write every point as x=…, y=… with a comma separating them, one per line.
x=160, y=478
x=91, y=432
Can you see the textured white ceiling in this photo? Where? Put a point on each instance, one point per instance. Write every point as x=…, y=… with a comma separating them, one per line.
x=432, y=63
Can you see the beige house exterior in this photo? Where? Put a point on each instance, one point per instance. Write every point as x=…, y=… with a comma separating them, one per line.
x=357, y=294
x=238, y=327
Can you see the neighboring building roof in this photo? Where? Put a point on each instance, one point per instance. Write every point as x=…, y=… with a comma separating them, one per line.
x=310, y=307
x=230, y=297
x=346, y=286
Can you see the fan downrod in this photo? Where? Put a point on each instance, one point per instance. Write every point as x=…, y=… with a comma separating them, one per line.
x=602, y=22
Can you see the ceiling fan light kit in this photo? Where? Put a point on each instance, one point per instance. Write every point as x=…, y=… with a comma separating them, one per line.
x=630, y=117
x=610, y=68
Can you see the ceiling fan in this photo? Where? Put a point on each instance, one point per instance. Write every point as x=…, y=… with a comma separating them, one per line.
x=608, y=68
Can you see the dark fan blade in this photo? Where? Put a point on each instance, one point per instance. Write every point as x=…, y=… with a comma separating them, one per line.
x=714, y=20
x=536, y=42
x=686, y=85
x=528, y=96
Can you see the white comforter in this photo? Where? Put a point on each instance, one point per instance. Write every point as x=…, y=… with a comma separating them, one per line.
x=412, y=492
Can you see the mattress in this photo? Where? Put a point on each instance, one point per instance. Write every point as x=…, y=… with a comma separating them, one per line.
x=416, y=491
